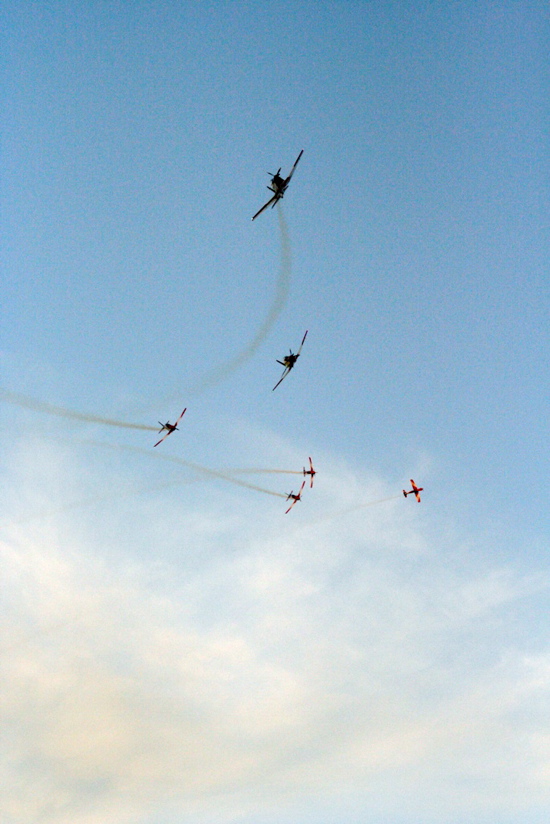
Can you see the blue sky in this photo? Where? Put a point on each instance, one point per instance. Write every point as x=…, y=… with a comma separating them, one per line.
x=175, y=648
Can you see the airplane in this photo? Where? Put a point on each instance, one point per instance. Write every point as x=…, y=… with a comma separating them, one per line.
x=288, y=362
x=295, y=498
x=416, y=490
x=279, y=186
x=171, y=427
x=311, y=471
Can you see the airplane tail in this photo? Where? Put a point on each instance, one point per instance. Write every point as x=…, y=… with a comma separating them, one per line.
x=405, y=493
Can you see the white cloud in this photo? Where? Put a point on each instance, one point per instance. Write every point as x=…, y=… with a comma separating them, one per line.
x=200, y=662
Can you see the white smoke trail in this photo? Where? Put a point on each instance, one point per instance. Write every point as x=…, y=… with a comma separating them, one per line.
x=329, y=516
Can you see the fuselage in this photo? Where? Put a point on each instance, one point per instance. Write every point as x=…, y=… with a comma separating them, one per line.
x=414, y=491
x=278, y=184
x=289, y=361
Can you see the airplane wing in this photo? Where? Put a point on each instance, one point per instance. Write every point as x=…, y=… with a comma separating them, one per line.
x=163, y=439
x=285, y=373
x=302, y=343
x=287, y=181
x=297, y=498
x=417, y=496
x=269, y=202
x=181, y=416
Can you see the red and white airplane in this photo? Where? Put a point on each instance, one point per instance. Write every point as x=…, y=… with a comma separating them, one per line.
x=289, y=362
x=278, y=186
x=171, y=427
x=311, y=471
x=295, y=497
x=416, y=490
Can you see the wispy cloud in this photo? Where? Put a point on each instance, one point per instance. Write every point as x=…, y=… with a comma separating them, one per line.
x=262, y=665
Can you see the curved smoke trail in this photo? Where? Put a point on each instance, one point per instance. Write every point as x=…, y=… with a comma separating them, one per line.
x=253, y=471
x=203, y=470
x=61, y=412
x=280, y=298
x=211, y=379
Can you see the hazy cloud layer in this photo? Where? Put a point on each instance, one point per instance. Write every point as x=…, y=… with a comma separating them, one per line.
x=262, y=662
